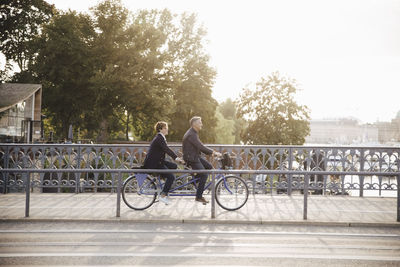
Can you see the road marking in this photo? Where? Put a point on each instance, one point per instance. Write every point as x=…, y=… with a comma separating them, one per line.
x=214, y=255
x=264, y=233
x=198, y=244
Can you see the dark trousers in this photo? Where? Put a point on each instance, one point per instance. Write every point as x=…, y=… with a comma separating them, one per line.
x=169, y=176
x=201, y=165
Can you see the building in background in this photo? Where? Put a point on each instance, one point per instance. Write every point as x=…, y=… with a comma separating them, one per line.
x=389, y=132
x=346, y=131
x=20, y=112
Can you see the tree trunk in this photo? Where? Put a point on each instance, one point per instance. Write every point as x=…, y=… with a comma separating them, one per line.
x=127, y=128
x=103, y=133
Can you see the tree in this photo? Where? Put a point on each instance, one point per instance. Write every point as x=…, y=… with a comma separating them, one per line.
x=5, y=72
x=271, y=113
x=131, y=75
x=65, y=66
x=225, y=129
x=227, y=118
x=99, y=73
x=110, y=23
x=228, y=109
x=114, y=71
x=147, y=69
x=20, y=23
x=193, y=78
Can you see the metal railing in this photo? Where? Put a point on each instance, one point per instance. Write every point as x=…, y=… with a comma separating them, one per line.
x=364, y=170
x=27, y=184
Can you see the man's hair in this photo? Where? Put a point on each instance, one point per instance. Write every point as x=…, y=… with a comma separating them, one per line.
x=159, y=125
x=195, y=118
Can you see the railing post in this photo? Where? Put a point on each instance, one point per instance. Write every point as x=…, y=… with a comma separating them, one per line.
x=271, y=183
x=398, y=198
x=290, y=176
x=342, y=177
x=361, y=178
x=78, y=175
x=119, y=185
x=325, y=167
x=28, y=192
x=253, y=182
x=213, y=197
x=306, y=181
x=6, y=163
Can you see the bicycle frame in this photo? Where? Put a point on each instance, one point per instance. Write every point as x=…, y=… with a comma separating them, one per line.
x=175, y=191
x=231, y=191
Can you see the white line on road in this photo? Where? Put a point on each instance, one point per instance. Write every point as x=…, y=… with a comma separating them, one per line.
x=191, y=255
x=198, y=244
x=87, y=231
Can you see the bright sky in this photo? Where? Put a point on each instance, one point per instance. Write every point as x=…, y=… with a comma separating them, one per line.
x=345, y=54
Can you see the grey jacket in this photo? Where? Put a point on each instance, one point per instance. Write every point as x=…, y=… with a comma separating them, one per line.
x=192, y=146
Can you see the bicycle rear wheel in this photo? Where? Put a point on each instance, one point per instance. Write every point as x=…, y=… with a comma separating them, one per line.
x=231, y=192
x=136, y=196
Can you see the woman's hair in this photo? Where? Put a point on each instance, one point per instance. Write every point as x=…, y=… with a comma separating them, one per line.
x=159, y=125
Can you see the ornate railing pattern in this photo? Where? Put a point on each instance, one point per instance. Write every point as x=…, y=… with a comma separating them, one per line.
x=308, y=158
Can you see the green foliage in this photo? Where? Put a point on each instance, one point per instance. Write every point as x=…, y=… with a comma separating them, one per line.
x=193, y=79
x=5, y=73
x=65, y=66
x=225, y=130
x=228, y=109
x=229, y=126
x=114, y=71
x=20, y=24
x=240, y=125
x=148, y=74
x=271, y=113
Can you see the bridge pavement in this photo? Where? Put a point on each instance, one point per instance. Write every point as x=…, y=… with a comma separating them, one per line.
x=265, y=209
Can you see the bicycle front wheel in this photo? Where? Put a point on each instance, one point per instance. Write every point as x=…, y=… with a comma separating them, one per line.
x=231, y=192
x=136, y=196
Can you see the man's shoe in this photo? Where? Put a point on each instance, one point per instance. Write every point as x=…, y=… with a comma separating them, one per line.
x=164, y=199
x=202, y=200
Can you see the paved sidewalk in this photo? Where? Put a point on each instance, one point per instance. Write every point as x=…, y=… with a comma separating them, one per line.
x=282, y=209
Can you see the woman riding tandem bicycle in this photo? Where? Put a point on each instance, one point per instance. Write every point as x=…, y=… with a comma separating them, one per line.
x=155, y=158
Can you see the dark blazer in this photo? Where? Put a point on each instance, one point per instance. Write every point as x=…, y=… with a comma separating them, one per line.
x=192, y=146
x=155, y=158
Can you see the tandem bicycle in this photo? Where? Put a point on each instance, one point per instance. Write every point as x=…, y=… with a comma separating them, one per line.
x=140, y=190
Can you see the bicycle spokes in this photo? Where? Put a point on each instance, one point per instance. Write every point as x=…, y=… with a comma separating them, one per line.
x=231, y=192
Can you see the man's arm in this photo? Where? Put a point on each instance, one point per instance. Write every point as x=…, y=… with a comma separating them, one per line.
x=194, y=139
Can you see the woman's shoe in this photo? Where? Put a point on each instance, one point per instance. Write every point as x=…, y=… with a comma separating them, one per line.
x=164, y=199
